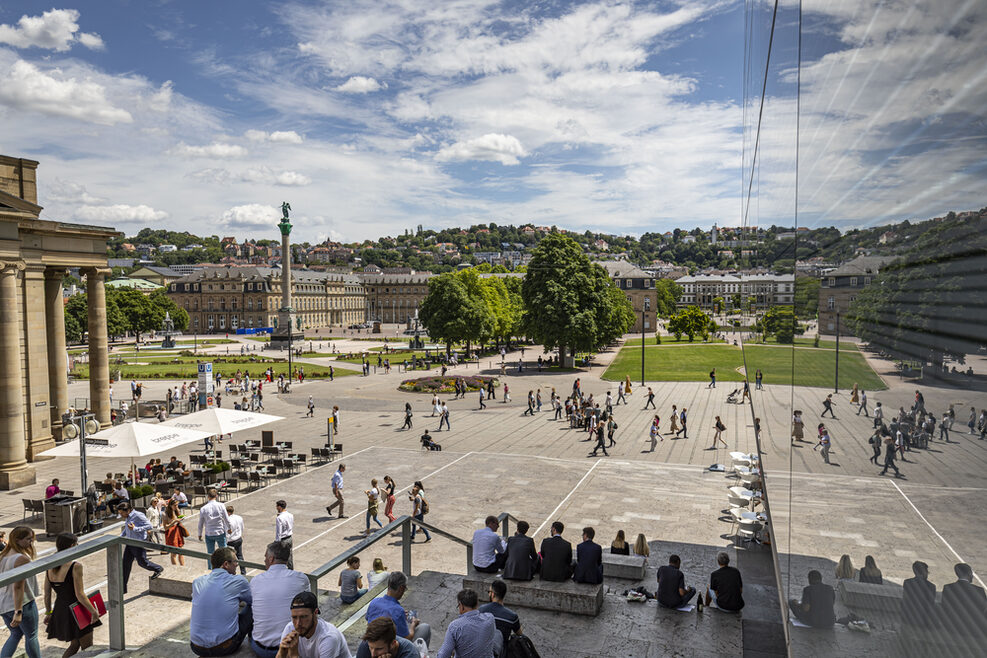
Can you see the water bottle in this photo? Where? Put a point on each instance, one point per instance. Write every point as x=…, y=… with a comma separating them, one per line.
x=699, y=604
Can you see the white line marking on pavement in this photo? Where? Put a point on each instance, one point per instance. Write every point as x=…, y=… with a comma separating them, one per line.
x=559, y=506
x=932, y=528
x=324, y=532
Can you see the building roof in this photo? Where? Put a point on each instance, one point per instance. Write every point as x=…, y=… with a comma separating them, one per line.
x=136, y=284
x=163, y=271
x=621, y=269
x=861, y=265
x=380, y=279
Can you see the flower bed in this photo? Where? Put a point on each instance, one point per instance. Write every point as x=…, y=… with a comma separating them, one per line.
x=447, y=384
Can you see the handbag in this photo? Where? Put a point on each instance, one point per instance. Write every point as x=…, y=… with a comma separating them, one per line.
x=82, y=616
x=182, y=530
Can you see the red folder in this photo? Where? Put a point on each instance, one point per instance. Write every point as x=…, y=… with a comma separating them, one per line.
x=82, y=616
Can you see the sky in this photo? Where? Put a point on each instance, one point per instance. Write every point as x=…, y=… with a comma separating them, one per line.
x=371, y=117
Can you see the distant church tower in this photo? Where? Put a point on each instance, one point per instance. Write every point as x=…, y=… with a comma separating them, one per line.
x=712, y=235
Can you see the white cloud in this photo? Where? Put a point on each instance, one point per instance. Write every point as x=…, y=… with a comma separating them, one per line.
x=359, y=84
x=278, y=136
x=505, y=149
x=120, y=213
x=251, y=217
x=160, y=100
x=68, y=192
x=57, y=29
x=268, y=175
x=25, y=87
x=217, y=150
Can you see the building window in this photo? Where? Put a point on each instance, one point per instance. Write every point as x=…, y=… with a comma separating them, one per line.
x=210, y=322
x=222, y=322
x=647, y=283
x=831, y=303
x=853, y=281
x=866, y=280
x=195, y=322
x=832, y=281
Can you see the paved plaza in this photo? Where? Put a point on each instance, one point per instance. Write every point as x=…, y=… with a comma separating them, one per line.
x=497, y=460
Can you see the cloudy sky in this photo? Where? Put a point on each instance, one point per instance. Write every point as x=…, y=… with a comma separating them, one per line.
x=375, y=116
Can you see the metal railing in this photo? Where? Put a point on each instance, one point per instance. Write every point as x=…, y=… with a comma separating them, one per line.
x=116, y=545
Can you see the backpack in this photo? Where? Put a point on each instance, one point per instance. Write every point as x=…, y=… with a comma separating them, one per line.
x=424, y=507
x=519, y=646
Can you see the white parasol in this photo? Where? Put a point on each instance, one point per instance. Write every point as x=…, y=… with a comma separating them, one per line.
x=129, y=440
x=216, y=420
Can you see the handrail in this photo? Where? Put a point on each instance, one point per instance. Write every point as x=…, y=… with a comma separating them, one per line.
x=505, y=526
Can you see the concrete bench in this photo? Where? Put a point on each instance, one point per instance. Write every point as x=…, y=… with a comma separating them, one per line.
x=176, y=589
x=577, y=598
x=347, y=610
x=631, y=567
x=885, y=597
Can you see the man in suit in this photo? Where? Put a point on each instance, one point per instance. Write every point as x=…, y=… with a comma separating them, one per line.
x=918, y=602
x=522, y=558
x=556, y=556
x=964, y=605
x=589, y=560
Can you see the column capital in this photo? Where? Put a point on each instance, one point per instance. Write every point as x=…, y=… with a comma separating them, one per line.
x=97, y=271
x=56, y=272
x=12, y=266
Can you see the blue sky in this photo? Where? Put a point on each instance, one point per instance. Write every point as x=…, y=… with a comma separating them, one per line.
x=371, y=117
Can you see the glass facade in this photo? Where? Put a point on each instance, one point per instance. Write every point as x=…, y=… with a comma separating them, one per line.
x=869, y=118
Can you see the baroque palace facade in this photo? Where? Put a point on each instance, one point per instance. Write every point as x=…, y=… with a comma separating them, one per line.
x=34, y=257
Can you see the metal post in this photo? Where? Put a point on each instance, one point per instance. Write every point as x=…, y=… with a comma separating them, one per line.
x=406, y=547
x=836, y=383
x=642, y=346
x=82, y=457
x=469, y=557
x=313, y=584
x=290, y=350
x=114, y=587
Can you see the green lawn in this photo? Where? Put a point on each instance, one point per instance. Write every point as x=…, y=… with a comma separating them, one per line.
x=812, y=367
x=188, y=370
x=669, y=340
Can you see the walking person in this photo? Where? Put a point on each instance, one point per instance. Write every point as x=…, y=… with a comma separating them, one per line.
x=408, y=414
x=889, y=450
x=712, y=379
x=620, y=395
x=419, y=509
x=234, y=538
x=136, y=527
x=444, y=418
x=435, y=405
x=507, y=393
x=373, y=505
x=798, y=427
x=599, y=443
x=20, y=612
x=718, y=428
x=531, y=404
x=683, y=418
x=284, y=528
x=875, y=444
x=758, y=379
x=828, y=406
x=538, y=400
x=558, y=408
x=389, y=497
x=855, y=394
x=824, y=443
x=673, y=421
x=214, y=522
x=973, y=420
x=311, y=407
x=863, y=403
x=878, y=415
x=337, y=490
x=175, y=532
x=611, y=428
x=335, y=420
x=67, y=582
x=653, y=437
x=651, y=399
x=944, y=427
x=482, y=405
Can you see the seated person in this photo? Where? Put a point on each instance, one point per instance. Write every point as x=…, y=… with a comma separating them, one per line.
x=472, y=633
x=672, y=592
x=816, y=607
x=522, y=560
x=506, y=619
x=52, y=489
x=378, y=575
x=620, y=545
x=589, y=560
x=726, y=587
x=488, y=547
x=110, y=480
x=381, y=639
x=219, y=623
x=964, y=605
x=307, y=636
x=870, y=573
x=120, y=494
x=180, y=497
x=556, y=556
x=388, y=606
x=428, y=443
x=272, y=591
x=351, y=581
x=918, y=600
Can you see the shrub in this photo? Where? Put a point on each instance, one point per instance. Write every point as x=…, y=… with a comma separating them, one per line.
x=447, y=384
x=147, y=490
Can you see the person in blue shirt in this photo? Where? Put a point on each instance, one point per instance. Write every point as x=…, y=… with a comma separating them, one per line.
x=219, y=622
x=136, y=527
x=388, y=606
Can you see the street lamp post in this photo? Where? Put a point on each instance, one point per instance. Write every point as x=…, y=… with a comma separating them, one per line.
x=79, y=425
x=836, y=382
x=644, y=309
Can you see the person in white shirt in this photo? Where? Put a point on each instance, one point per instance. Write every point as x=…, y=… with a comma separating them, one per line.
x=488, y=547
x=214, y=522
x=234, y=536
x=180, y=496
x=307, y=636
x=284, y=526
x=272, y=592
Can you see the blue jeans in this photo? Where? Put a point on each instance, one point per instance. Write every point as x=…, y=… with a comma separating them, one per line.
x=28, y=628
x=212, y=543
x=414, y=528
x=373, y=515
x=260, y=651
x=350, y=599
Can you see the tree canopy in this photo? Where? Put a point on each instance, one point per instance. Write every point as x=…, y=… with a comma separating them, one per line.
x=692, y=322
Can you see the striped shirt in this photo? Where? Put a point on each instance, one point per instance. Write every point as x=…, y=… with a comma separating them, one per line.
x=471, y=635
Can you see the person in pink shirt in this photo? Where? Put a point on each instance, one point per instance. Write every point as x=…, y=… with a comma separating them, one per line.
x=52, y=489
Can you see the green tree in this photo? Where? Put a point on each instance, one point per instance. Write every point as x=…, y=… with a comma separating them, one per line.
x=718, y=303
x=162, y=304
x=690, y=321
x=667, y=294
x=806, y=297
x=449, y=313
x=565, y=296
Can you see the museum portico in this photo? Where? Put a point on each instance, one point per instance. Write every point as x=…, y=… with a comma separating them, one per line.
x=34, y=255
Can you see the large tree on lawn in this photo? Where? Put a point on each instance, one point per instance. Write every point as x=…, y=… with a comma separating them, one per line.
x=451, y=314
x=567, y=300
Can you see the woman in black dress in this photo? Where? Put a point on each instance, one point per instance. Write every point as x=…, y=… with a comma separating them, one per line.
x=66, y=580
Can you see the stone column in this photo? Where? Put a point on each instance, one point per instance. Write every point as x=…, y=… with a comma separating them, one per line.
x=58, y=392
x=285, y=266
x=99, y=363
x=14, y=471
